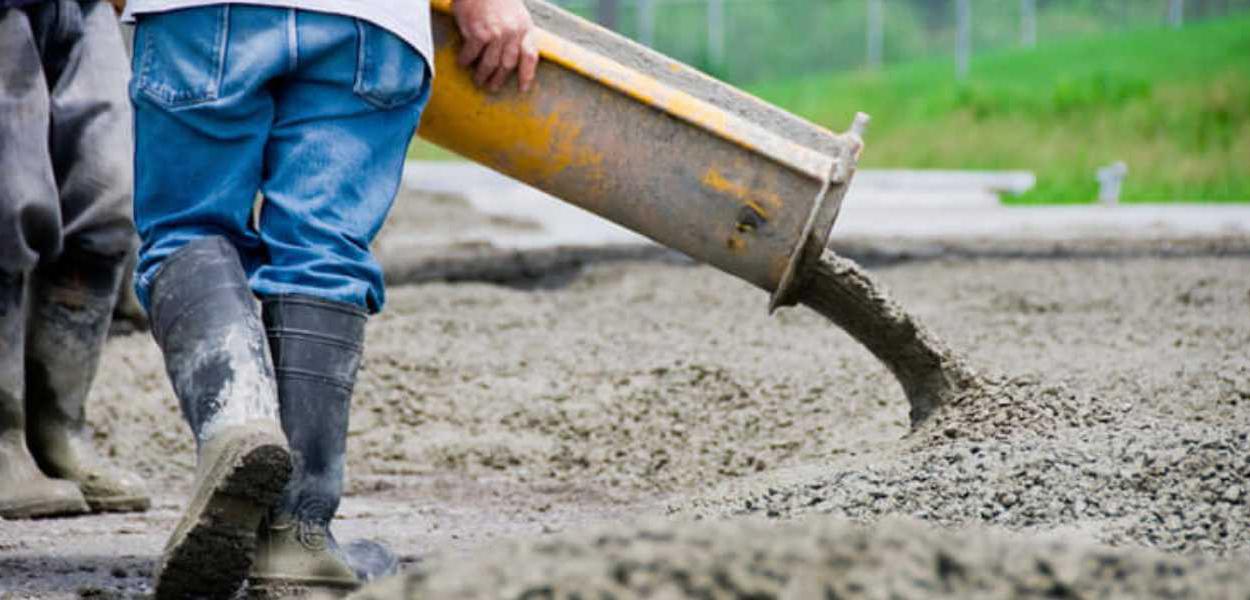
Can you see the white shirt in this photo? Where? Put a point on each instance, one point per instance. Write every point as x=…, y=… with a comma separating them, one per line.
x=408, y=19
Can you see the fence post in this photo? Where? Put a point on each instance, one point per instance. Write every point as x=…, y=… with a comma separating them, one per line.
x=963, y=38
x=1176, y=13
x=646, y=22
x=716, y=32
x=876, y=33
x=1028, y=23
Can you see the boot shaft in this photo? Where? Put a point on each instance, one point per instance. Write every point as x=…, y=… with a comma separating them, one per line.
x=71, y=306
x=316, y=346
x=12, y=344
x=206, y=322
x=24, y=491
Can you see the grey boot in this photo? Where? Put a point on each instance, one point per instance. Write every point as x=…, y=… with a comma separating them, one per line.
x=316, y=347
x=25, y=491
x=71, y=306
x=205, y=320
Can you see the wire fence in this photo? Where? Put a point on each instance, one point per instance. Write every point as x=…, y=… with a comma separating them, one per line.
x=743, y=41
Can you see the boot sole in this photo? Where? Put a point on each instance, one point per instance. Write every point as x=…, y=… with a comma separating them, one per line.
x=123, y=504
x=212, y=548
x=276, y=589
x=42, y=509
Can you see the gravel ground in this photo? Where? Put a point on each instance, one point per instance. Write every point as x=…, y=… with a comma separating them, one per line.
x=812, y=558
x=1118, y=417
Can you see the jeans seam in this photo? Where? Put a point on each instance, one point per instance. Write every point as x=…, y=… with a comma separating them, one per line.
x=292, y=42
x=222, y=42
x=361, y=58
x=141, y=40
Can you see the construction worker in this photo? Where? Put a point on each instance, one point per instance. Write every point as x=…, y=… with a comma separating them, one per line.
x=65, y=231
x=312, y=103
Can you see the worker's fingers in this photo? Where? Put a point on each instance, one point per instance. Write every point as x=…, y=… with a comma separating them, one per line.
x=498, y=79
x=489, y=61
x=508, y=63
x=529, y=62
x=470, y=51
x=497, y=40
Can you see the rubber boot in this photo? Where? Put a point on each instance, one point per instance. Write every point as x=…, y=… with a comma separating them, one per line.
x=71, y=307
x=206, y=322
x=127, y=308
x=25, y=492
x=316, y=348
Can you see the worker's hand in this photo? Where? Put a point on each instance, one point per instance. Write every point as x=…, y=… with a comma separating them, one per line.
x=499, y=37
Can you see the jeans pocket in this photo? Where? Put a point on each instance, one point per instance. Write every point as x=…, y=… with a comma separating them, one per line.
x=179, y=55
x=389, y=72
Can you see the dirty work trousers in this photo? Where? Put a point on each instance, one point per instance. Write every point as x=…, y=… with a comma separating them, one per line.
x=312, y=110
x=65, y=137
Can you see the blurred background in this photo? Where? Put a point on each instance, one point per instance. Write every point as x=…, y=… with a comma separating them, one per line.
x=1157, y=91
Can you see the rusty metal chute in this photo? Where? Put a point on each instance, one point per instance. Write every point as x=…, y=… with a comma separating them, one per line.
x=653, y=145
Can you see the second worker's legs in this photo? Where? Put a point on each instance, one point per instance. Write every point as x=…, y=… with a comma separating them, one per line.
x=30, y=227
x=74, y=291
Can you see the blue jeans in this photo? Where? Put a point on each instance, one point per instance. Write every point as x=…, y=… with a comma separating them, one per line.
x=312, y=110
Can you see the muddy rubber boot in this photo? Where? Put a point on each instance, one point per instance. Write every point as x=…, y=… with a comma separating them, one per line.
x=316, y=348
x=207, y=324
x=25, y=492
x=71, y=307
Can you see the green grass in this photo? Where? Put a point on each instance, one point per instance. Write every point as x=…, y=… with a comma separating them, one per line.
x=423, y=150
x=1174, y=105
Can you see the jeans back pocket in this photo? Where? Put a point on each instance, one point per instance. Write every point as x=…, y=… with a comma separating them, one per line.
x=389, y=72
x=179, y=55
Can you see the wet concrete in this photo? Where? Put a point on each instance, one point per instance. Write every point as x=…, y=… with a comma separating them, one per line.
x=811, y=558
x=930, y=373
x=650, y=390
x=1116, y=413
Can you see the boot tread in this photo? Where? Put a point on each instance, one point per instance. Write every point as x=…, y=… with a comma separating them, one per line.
x=212, y=548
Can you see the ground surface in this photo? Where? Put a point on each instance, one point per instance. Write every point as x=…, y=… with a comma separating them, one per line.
x=656, y=390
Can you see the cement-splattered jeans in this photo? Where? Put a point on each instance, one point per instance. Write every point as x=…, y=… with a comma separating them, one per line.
x=65, y=136
x=313, y=110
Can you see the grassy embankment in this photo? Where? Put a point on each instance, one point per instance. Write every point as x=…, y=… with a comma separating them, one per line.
x=1174, y=105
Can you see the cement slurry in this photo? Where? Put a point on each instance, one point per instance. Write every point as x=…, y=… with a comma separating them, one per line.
x=484, y=413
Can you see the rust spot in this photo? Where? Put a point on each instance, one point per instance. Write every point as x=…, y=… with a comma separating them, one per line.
x=755, y=198
x=750, y=219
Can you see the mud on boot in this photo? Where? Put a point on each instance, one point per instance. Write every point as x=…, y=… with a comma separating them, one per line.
x=71, y=308
x=316, y=347
x=207, y=324
x=25, y=491
x=297, y=558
